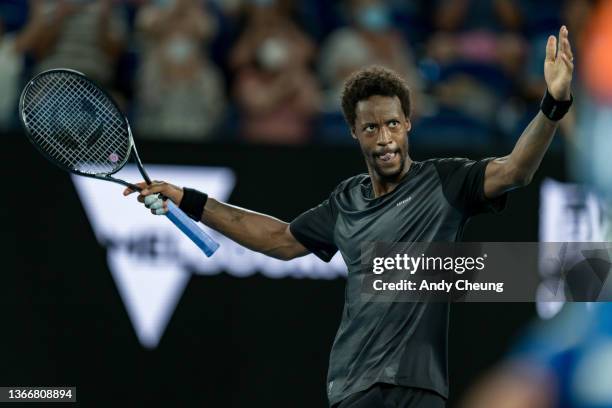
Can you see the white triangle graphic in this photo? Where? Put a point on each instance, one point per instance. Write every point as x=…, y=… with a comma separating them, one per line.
x=150, y=292
x=147, y=254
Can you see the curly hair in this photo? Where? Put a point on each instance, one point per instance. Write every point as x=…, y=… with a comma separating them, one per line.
x=375, y=80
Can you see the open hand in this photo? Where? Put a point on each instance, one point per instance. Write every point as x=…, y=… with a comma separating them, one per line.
x=559, y=66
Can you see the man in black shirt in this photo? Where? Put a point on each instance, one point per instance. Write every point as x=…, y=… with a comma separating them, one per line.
x=389, y=354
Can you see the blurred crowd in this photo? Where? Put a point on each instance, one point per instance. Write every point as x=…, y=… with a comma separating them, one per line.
x=271, y=71
x=565, y=362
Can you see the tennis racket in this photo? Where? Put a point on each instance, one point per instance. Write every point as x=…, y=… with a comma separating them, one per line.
x=77, y=126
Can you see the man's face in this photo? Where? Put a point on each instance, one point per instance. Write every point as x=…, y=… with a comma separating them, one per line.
x=381, y=129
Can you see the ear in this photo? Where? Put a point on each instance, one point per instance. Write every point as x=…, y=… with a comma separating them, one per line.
x=353, y=133
x=408, y=125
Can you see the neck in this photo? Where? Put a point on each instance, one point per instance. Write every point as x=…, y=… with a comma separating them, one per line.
x=385, y=185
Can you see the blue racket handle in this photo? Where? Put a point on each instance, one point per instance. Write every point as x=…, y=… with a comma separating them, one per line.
x=190, y=228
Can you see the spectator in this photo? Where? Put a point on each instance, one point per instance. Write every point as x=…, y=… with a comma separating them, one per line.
x=470, y=15
x=13, y=47
x=481, y=31
x=479, y=50
x=85, y=36
x=11, y=65
x=274, y=88
x=180, y=92
x=369, y=39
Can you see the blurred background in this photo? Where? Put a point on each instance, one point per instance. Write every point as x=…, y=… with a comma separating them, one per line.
x=250, y=89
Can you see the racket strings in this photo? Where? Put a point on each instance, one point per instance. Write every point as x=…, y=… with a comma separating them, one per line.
x=44, y=126
x=76, y=124
x=65, y=121
x=68, y=126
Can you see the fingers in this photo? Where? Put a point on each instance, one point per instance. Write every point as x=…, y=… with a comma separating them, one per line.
x=566, y=48
x=129, y=191
x=147, y=189
x=154, y=187
x=150, y=195
x=564, y=44
x=160, y=211
x=159, y=207
x=551, y=48
x=151, y=201
x=568, y=62
x=155, y=204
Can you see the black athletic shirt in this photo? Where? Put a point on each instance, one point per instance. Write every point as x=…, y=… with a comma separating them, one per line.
x=393, y=342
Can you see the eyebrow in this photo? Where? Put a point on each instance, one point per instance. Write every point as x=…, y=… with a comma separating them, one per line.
x=366, y=124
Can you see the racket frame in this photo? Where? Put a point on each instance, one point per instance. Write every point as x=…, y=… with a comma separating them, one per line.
x=176, y=215
x=100, y=176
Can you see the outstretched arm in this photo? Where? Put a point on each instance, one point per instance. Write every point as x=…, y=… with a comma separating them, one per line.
x=517, y=168
x=250, y=229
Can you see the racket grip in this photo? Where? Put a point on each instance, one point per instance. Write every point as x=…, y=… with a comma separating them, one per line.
x=190, y=228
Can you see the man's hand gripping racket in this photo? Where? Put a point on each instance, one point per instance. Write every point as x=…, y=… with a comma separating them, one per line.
x=79, y=127
x=152, y=195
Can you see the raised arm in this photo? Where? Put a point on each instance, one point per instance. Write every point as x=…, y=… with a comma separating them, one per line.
x=259, y=232
x=517, y=168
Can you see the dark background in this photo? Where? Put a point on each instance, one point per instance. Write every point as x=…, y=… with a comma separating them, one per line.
x=231, y=342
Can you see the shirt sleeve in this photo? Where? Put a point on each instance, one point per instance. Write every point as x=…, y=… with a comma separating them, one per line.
x=463, y=185
x=315, y=230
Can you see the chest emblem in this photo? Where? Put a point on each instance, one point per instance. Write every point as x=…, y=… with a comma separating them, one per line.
x=407, y=200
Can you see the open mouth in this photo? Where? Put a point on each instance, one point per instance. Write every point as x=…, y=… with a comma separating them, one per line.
x=387, y=156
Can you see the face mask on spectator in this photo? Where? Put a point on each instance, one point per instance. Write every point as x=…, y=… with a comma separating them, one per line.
x=273, y=54
x=180, y=49
x=375, y=17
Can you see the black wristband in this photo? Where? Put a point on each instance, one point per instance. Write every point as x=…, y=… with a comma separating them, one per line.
x=193, y=203
x=553, y=109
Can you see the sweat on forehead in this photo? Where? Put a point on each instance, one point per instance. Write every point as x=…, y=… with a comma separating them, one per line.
x=369, y=82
